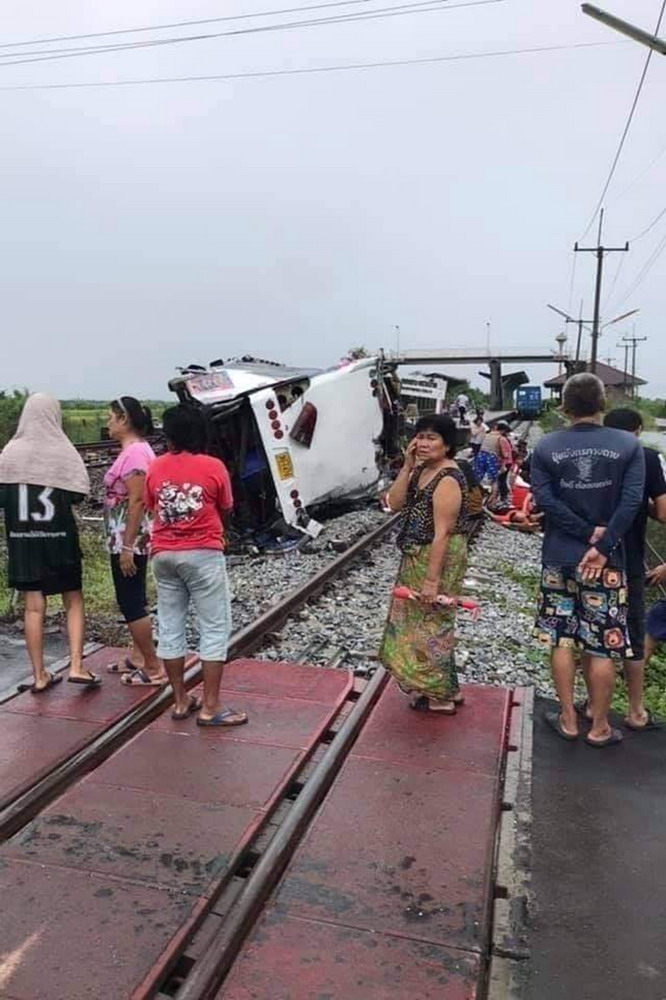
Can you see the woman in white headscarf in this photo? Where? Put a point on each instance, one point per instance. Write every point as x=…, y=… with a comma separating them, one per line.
x=41, y=477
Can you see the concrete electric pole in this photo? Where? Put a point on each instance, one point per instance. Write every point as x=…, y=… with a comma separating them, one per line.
x=600, y=251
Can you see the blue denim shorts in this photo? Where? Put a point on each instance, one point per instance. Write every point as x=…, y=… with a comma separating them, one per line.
x=199, y=576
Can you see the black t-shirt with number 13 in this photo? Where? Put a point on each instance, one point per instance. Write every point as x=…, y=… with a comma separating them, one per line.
x=42, y=536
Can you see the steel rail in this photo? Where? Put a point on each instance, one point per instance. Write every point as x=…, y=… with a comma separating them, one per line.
x=209, y=972
x=20, y=809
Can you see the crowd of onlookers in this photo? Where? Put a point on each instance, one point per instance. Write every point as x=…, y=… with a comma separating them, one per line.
x=590, y=487
x=168, y=509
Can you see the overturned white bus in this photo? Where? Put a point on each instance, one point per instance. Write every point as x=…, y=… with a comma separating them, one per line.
x=295, y=440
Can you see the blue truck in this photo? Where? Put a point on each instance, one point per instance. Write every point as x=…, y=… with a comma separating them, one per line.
x=528, y=402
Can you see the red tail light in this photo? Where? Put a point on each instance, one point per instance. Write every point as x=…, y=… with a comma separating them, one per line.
x=304, y=427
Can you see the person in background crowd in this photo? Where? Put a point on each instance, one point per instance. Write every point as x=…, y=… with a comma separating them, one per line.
x=487, y=461
x=655, y=626
x=654, y=502
x=506, y=460
x=474, y=491
x=128, y=536
x=479, y=431
x=462, y=403
x=431, y=491
x=42, y=477
x=588, y=480
x=189, y=492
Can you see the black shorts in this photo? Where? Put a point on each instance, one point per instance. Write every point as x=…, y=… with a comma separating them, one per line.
x=131, y=590
x=58, y=581
x=636, y=615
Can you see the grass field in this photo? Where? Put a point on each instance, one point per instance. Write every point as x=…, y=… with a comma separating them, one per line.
x=83, y=424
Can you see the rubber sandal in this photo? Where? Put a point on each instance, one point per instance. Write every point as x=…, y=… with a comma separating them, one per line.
x=53, y=679
x=650, y=724
x=127, y=667
x=139, y=678
x=610, y=741
x=442, y=711
x=553, y=720
x=91, y=681
x=227, y=717
x=194, y=705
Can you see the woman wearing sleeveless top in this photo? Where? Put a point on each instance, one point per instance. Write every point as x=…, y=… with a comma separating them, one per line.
x=431, y=491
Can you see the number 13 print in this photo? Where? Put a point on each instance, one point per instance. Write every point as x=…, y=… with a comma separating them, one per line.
x=44, y=498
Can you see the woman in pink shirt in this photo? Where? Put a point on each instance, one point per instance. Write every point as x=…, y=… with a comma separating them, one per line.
x=128, y=536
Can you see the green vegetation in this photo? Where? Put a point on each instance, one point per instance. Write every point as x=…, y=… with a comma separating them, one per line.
x=551, y=419
x=11, y=404
x=82, y=419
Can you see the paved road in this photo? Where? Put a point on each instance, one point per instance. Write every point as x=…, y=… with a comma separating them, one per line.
x=599, y=869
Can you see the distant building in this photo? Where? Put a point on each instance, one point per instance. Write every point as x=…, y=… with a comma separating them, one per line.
x=620, y=386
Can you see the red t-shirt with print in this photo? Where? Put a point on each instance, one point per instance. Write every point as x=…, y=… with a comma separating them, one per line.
x=187, y=494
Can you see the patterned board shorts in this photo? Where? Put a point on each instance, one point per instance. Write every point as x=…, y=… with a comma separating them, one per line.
x=590, y=616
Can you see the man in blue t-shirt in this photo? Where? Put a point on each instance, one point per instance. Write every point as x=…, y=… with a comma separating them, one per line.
x=654, y=503
x=588, y=480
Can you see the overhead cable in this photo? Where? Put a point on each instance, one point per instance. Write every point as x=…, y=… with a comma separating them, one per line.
x=180, y=24
x=643, y=273
x=341, y=68
x=421, y=6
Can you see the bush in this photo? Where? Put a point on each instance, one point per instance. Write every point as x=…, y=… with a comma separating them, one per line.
x=11, y=405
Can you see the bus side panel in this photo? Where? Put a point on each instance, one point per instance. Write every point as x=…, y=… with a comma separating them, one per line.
x=342, y=457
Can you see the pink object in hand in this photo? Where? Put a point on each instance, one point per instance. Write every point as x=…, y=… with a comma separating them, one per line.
x=405, y=594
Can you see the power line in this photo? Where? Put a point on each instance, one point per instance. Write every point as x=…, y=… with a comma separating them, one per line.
x=179, y=24
x=625, y=132
x=643, y=273
x=341, y=68
x=422, y=6
x=650, y=227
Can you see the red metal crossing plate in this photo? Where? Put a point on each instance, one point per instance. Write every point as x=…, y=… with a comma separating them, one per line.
x=291, y=959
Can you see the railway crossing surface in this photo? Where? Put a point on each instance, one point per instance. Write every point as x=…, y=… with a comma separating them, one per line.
x=339, y=846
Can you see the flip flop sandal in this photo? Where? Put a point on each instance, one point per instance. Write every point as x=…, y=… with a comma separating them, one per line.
x=91, y=681
x=227, y=717
x=442, y=711
x=53, y=679
x=650, y=724
x=139, y=678
x=553, y=720
x=193, y=706
x=126, y=667
x=610, y=741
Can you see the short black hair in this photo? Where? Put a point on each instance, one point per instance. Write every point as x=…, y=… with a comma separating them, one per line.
x=583, y=395
x=502, y=425
x=138, y=416
x=440, y=423
x=184, y=429
x=624, y=419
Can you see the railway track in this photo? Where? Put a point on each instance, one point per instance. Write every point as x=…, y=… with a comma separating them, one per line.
x=198, y=960
x=19, y=808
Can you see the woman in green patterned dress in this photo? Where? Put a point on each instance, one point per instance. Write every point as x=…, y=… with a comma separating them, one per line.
x=431, y=493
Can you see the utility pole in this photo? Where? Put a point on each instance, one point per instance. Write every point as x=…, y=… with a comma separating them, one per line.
x=626, y=364
x=634, y=341
x=599, y=250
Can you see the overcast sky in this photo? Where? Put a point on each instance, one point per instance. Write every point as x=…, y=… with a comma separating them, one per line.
x=291, y=217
